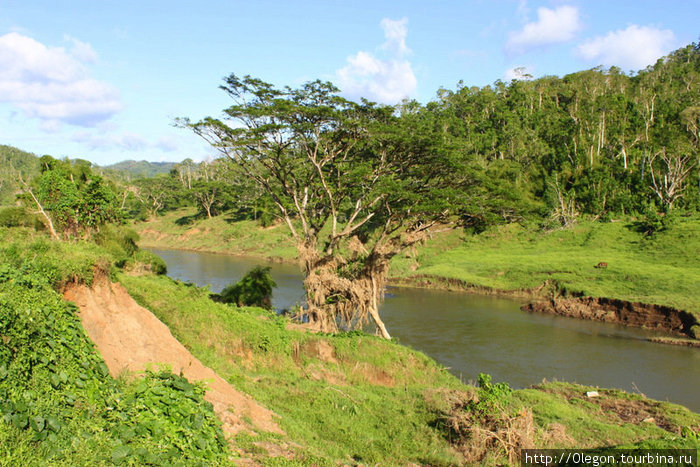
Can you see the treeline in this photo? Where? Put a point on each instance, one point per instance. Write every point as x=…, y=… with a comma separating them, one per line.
x=598, y=143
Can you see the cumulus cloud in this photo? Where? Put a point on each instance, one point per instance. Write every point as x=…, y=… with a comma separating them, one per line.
x=387, y=80
x=519, y=72
x=631, y=48
x=52, y=83
x=551, y=27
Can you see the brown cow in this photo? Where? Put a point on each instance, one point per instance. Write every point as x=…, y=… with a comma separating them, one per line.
x=602, y=265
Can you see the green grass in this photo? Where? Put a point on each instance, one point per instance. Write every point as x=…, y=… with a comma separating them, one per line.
x=364, y=403
x=219, y=235
x=606, y=420
x=348, y=399
x=356, y=399
x=664, y=269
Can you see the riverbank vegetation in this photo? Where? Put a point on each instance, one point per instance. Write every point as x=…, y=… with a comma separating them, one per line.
x=662, y=269
x=59, y=404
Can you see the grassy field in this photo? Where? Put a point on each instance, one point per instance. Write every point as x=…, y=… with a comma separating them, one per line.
x=663, y=269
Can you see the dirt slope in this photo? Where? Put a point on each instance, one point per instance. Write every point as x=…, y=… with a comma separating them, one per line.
x=130, y=337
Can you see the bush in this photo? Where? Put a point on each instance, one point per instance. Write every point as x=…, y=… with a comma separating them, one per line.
x=254, y=289
x=153, y=262
x=56, y=393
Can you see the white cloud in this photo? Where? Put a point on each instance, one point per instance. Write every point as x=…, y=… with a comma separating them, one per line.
x=124, y=141
x=395, y=32
x=519, y=72
x=82, y=50
x=98, y=139
x=631, y=48
x=385, y=80
x=52, y=84
x=551, y=27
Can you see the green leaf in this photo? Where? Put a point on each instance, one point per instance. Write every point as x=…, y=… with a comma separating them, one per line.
x=38, y=423
x=55, y=380
x=20, y=420
x=54, y=424
x=120, y=454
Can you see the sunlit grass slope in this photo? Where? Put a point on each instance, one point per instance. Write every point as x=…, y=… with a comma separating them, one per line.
x=354, y=399
x=663, y=269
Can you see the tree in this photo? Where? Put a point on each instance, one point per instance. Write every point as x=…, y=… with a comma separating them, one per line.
x=72, y=199
x=355, y=184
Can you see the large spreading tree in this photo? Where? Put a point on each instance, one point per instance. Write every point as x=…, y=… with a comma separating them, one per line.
x=355, y=183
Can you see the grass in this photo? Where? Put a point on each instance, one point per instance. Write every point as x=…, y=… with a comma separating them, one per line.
x=220, y=234
x=349, y=399
x=663, y=270
x=356, y=399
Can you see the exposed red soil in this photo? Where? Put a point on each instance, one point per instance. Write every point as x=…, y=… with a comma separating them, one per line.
x=130, y=338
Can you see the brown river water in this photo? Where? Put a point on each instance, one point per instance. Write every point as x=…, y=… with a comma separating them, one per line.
x=472, y=334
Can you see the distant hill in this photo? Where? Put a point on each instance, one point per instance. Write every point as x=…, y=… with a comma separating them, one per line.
x=13, y=160
x=140, y=169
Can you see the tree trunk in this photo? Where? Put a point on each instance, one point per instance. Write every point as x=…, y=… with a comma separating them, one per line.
x=338, y=303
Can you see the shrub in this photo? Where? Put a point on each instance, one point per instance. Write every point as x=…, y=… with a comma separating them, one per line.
x=153, y=262
x=254, y=289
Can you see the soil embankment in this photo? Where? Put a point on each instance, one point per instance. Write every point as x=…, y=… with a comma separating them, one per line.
x=658, y=317
x=130, y=338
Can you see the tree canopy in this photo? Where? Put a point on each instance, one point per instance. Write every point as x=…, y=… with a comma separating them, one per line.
x=356, y=183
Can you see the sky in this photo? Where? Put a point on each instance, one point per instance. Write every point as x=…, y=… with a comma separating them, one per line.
x=105, y=80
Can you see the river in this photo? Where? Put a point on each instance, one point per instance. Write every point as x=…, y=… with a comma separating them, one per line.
x=472, y=334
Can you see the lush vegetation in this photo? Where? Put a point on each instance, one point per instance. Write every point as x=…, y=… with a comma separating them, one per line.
x=254, y=289
x=59, y=404
x=356, y=184
x=546, y=177
x=14, y=162
x=660, y=269
x=347, y=398
x=132, y=170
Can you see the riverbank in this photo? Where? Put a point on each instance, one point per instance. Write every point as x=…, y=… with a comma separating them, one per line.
x=663, y=270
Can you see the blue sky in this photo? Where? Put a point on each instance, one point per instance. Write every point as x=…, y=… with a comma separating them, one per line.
x=104, y=80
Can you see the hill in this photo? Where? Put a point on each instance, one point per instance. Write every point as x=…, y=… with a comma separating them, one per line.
x=139, y=169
